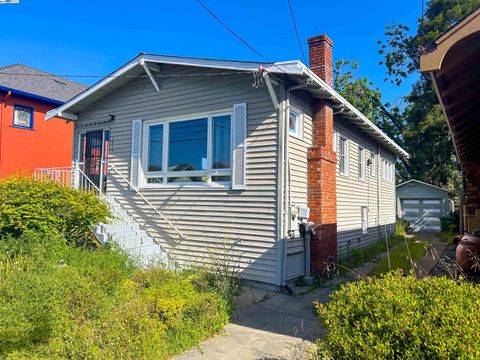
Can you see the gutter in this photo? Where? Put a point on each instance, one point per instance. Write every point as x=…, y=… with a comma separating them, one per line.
x=349, y=108
x=30, y=95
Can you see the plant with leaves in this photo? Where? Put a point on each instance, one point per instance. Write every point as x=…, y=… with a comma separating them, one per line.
x=425, y=133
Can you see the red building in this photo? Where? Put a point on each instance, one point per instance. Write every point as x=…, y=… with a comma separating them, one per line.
x=27, y=141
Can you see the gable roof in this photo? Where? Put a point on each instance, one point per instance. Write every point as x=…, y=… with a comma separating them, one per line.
x=421, y=183
x=29, y=81
x=294, y=72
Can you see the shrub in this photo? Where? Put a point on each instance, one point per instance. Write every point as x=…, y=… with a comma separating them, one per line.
x=47, y=208
x=398, y=316
x=62, y=301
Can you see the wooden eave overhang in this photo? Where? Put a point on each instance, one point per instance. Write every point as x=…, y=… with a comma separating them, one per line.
x=453, y=62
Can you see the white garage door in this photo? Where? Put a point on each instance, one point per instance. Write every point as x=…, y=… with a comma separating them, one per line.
x=422, y=214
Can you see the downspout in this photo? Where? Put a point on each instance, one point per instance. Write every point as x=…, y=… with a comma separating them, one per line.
x=286, y=189
x=280, y=183
x=378, y=190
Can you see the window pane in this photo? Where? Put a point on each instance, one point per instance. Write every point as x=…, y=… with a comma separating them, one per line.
x=187, y=145
x=187, y=179
x=22, y=116
x=155, y=148
x=221, y=148
x=293, y=123
x=157, y=180
x=221, y=178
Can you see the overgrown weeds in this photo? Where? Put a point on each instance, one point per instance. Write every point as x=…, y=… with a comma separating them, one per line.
x=59, y=300
x=401, y=257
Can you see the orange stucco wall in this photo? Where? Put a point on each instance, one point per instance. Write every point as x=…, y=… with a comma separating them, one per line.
x=48, y=144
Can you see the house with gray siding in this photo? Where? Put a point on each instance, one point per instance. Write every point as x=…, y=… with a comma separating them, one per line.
x=262, y=164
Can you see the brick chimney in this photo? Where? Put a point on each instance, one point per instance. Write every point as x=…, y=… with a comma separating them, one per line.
x=322, y=188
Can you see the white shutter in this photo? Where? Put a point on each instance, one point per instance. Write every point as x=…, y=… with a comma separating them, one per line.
x=239, y=146
x=136, y=152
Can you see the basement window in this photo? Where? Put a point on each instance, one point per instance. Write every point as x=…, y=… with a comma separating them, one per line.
x=364, y=214
x=23, y=116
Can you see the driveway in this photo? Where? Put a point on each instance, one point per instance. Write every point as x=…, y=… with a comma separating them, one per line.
x=268, y=325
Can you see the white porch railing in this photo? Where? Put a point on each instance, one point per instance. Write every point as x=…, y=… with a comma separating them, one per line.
x=123, y=230
x=61, y=175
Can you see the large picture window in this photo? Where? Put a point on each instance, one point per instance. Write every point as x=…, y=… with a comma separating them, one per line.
x=196, y=150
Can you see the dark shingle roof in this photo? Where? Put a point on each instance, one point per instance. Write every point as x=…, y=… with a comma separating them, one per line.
x=33, y=81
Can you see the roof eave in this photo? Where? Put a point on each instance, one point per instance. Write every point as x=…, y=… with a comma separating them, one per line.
x=356, y=113
x=31, y=95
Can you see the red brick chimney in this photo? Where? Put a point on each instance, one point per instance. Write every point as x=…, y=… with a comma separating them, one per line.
x=322, y=188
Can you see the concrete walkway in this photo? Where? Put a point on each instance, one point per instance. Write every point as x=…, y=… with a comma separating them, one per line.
x=268, y=325
x=274, y=325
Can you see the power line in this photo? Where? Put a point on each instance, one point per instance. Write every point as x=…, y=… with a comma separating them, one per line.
x=129, y=76
x=296, y=31
x=231, y=31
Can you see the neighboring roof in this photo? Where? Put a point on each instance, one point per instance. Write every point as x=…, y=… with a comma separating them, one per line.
x=29, y=81
x=453, y=63
x=434, y=54
x=296, y=72
x=421, y=183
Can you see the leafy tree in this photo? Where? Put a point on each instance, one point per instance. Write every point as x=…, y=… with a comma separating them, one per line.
x=418, y=125
x=425, y=134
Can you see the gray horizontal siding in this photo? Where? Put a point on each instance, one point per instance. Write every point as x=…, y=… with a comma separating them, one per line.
x=353, y=194
x=213, y=219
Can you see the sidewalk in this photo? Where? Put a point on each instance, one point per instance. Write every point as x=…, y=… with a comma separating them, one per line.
x=268, y=325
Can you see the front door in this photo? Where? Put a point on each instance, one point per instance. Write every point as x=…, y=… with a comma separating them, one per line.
x=93, y=157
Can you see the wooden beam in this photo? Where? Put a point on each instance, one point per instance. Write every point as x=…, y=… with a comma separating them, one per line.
x=149, y=73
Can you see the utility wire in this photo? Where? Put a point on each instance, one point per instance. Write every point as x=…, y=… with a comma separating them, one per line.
x=296, y=32
x=231, y=31
x=129, y=76
x=237, y=36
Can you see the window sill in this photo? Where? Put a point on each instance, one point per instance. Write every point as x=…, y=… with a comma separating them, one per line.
x=22, y=127
x=296, y=136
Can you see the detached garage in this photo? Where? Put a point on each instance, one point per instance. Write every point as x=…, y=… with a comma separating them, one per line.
x=422, y=205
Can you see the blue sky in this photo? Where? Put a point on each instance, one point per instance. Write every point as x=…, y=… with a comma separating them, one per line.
x=95, y=37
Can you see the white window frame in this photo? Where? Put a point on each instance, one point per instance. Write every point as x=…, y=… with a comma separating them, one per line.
x=373, y=166
x=165, y=174
x=364, y=219
x=387, y=170
x=362, y=163
x=298, y=132
x=335, y=140
x=346, y=155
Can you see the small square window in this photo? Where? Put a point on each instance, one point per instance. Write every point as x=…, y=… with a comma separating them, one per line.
x=295, y=124
x=23, y=116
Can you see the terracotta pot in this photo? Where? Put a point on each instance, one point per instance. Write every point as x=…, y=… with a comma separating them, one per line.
x=468, y=254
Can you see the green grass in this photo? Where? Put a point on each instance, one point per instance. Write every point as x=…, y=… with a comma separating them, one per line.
x=400, y=257
x=59, y=301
